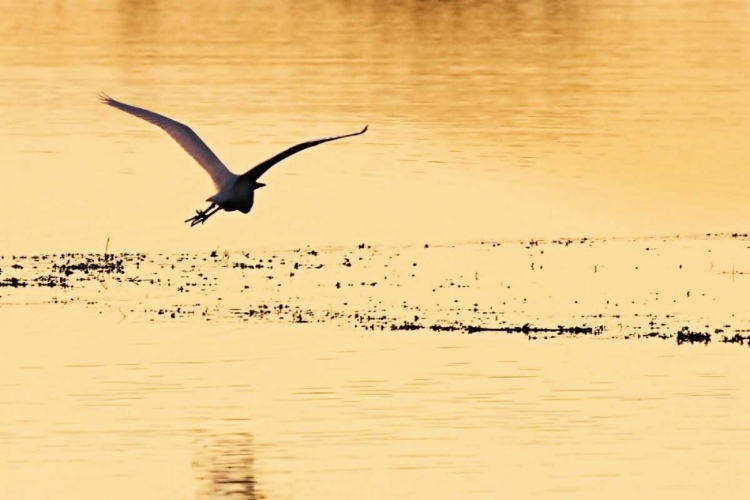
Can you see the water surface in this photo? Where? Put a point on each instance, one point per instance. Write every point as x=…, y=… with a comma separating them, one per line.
x=489, y=119
x=138, y=410
x=619, y=124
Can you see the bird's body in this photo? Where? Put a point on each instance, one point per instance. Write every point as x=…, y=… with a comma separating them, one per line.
x=241, y=196
x=234, y=192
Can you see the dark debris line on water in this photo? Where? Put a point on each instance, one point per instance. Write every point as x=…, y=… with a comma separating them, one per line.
x=365, y=287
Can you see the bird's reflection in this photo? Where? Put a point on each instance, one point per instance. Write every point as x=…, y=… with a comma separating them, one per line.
x=225, y=468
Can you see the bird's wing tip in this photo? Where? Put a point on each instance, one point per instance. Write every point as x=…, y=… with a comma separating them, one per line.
x=365, y=129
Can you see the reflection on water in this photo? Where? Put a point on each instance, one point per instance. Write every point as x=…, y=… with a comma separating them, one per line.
x=104, y=408
x=225, y=465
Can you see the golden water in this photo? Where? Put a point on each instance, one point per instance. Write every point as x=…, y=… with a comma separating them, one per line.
x=489, y=120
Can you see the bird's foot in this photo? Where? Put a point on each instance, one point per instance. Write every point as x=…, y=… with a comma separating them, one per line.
x=199, y=218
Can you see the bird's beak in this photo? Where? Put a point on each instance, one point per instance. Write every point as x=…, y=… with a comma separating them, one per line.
x=259, y=185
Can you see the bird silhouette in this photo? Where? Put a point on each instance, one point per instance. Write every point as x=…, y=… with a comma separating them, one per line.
x=234, y=192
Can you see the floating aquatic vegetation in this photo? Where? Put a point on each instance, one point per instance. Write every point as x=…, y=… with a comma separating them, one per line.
x=636, y=288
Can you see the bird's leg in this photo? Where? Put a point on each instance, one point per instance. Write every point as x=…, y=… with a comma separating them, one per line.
x=200, y=215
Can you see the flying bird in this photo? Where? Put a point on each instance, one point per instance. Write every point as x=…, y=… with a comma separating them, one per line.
x=234, y=192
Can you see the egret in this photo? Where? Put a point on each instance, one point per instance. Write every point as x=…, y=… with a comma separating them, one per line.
x=234, y=192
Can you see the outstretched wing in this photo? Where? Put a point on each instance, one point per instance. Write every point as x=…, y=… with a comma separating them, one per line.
x=184, y=136
x=255, y=172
